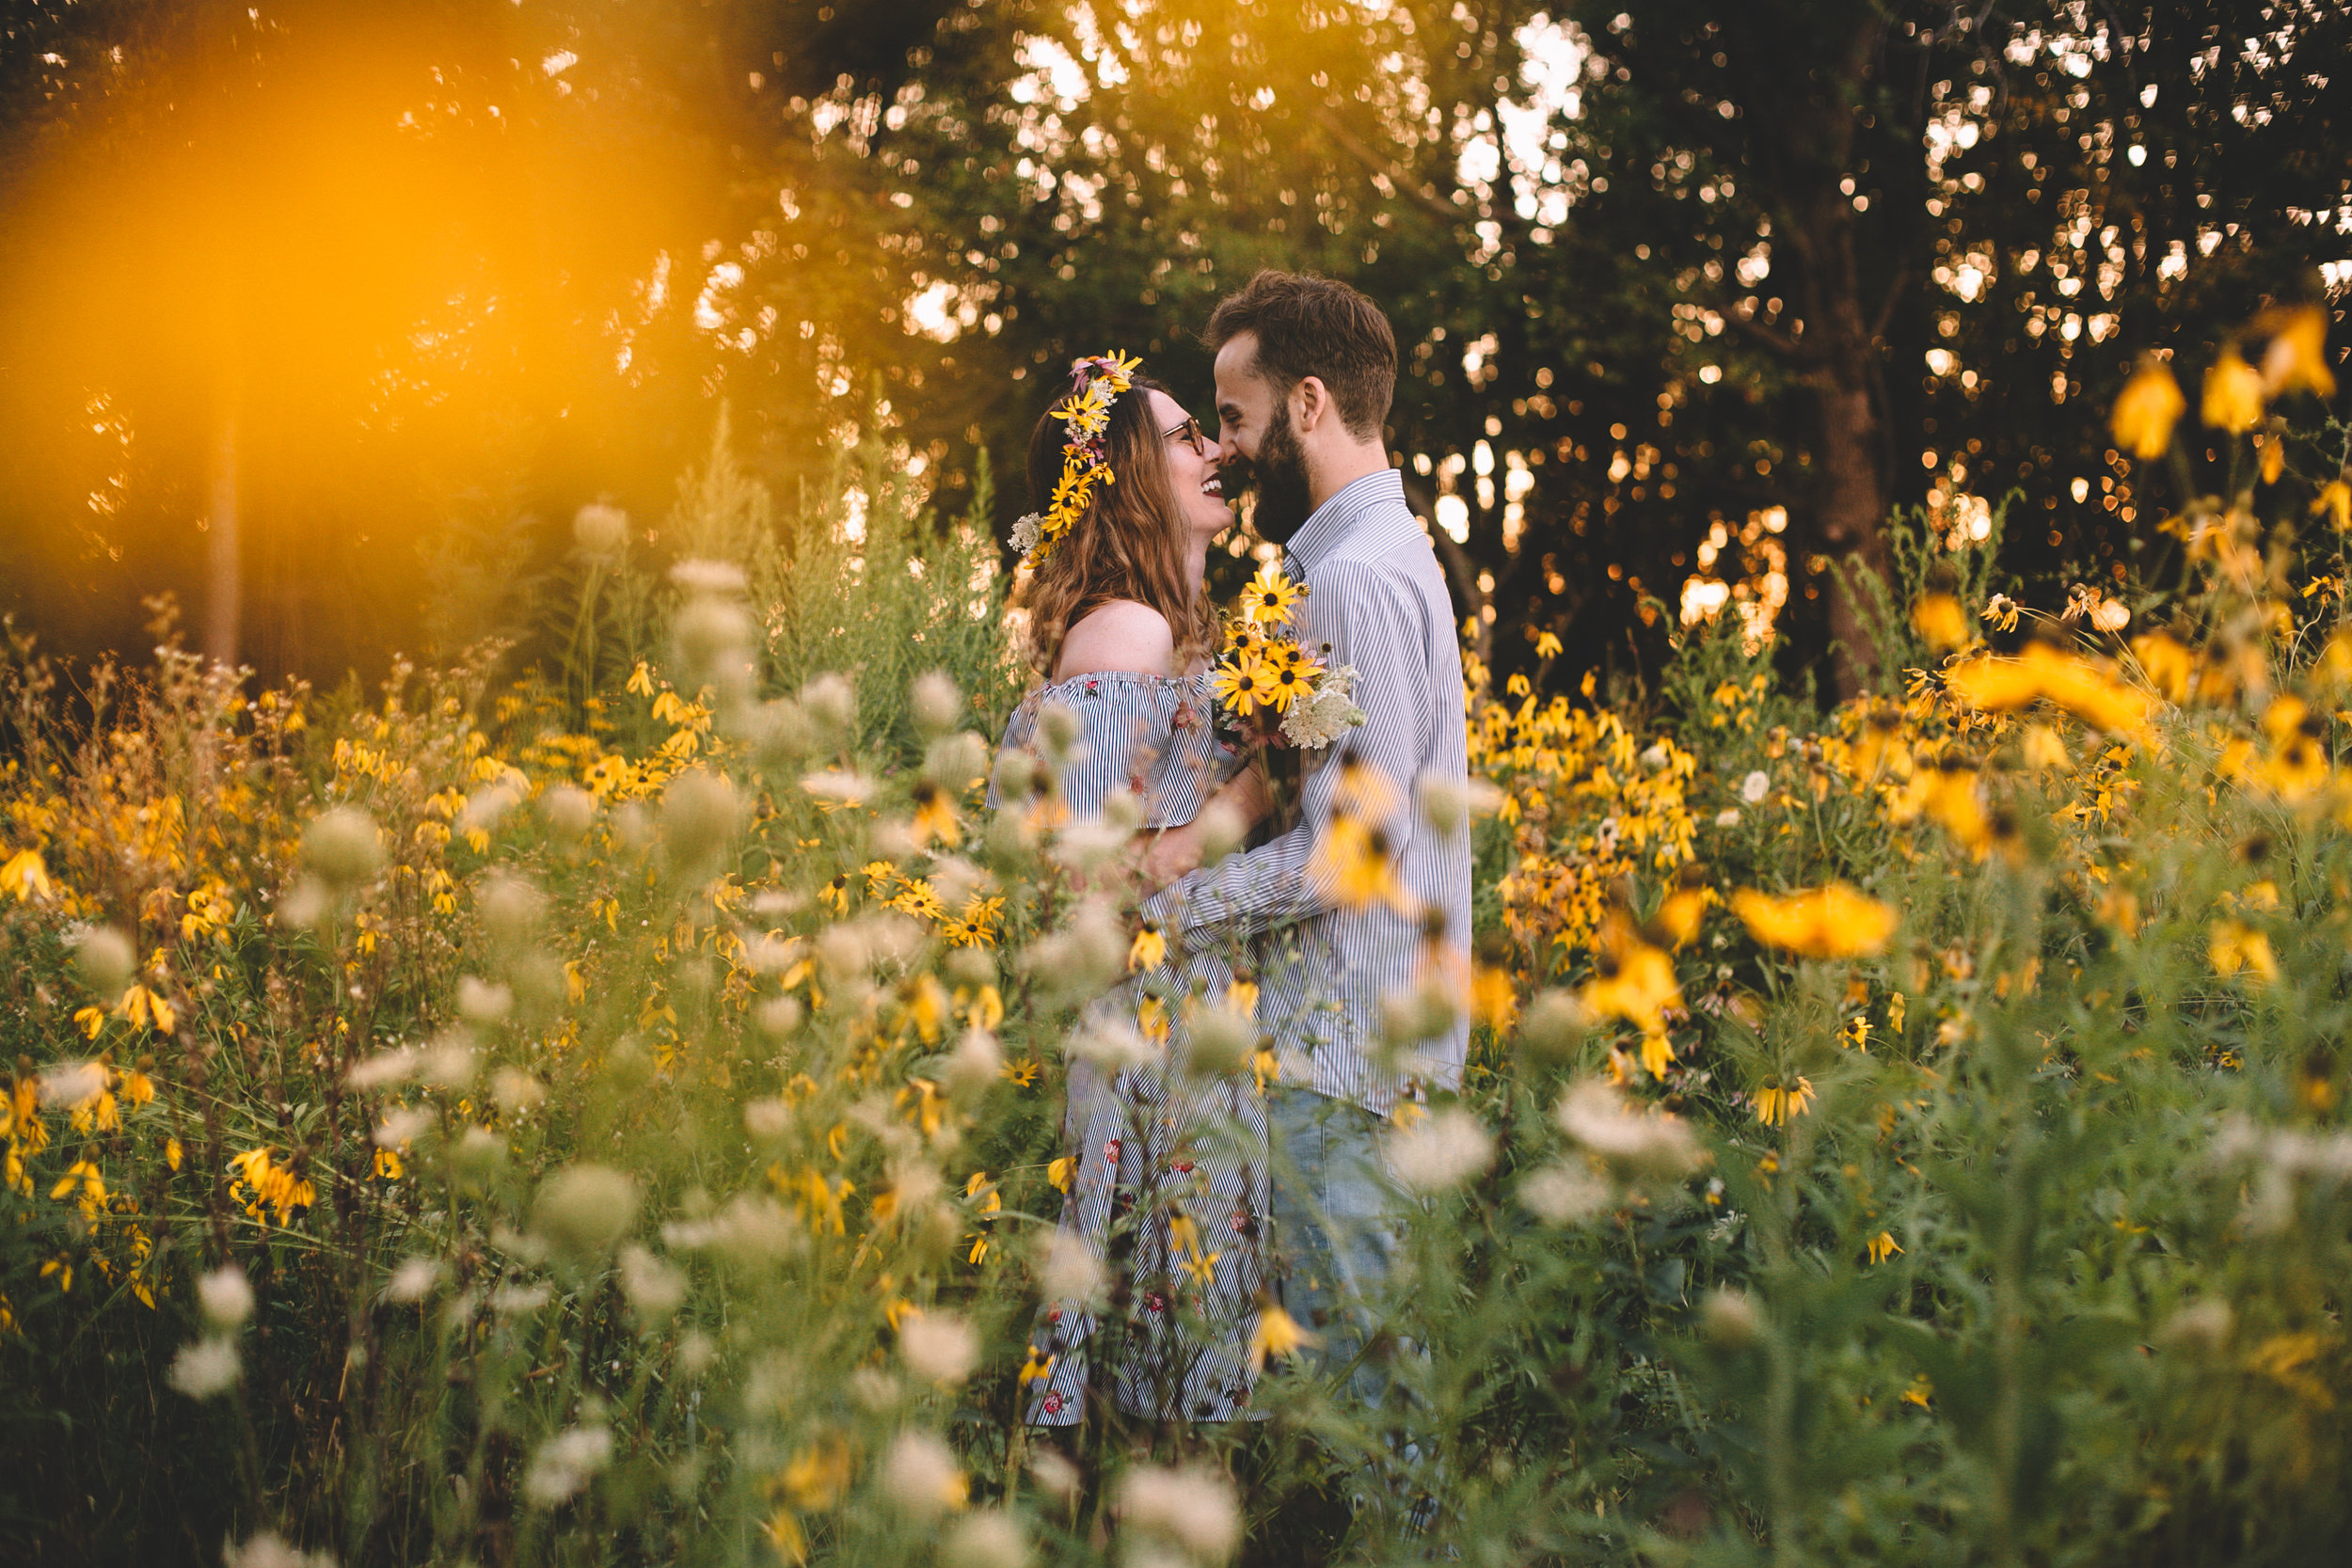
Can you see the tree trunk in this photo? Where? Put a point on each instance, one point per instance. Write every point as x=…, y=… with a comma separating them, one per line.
x=1840, y=346
x=1850, y=502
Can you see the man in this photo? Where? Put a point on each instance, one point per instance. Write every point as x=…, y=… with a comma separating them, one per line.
x=1305, y=371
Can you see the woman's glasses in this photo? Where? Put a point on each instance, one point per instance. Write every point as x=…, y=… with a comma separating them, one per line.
x=1194, y=436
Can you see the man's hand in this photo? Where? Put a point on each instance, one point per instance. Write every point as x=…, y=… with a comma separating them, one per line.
x=1168, y=856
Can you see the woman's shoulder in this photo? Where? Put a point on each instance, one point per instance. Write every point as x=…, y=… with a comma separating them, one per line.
x=1121, y=636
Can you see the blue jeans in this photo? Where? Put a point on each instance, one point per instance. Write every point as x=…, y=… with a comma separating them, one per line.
x=1336, y=1232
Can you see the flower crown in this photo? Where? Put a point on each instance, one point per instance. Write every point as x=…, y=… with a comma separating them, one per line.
x=1095, y=384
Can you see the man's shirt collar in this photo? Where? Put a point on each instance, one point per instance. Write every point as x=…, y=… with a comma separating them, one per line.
x=1340, y=517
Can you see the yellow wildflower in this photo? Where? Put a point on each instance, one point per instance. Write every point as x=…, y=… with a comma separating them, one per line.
x=2233, y=397
x=1277, y=1334
x=2295, y=358
x=1775, y=1104
x=1270, y=597
x=1882, y=1246
x=1831, y=922
x=1148, y=950
x=2335, y=501
x=2147, y=408
x=2234, y=947
x=1940, y=622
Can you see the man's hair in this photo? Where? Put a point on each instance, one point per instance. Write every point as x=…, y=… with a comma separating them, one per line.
x=1308, y=326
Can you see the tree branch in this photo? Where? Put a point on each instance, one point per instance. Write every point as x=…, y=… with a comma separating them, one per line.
x=1356, y=149
x=1778, y=341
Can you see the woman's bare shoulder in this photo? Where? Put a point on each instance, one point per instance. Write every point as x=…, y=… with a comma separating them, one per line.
x=1120, y=635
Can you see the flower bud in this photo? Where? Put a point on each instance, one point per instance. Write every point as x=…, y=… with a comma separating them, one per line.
x=226, y=1297
x=1221, y=1041
x=971, y=966
x=953, y=761
x=978, y=1061
x=106, y=961
x=599, y=530
x=714, y=638
x=935, y=704
x=583, y=1209
x=342, y=845
x=989, y=1539
x=700, y=815
x=1553, y=1025
x=939, y=1347
x=830, y=703
x=571, y=811
x=1059, y=728
x=921, y=1477
x=653, y=1289
x=1729, y=1318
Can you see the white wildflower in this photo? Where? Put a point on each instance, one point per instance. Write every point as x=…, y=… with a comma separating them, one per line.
x=516, y=1090
x=566, y=1463
x=1192, y=1507
x=106, y=960
x=225, y=1296
x=939, y=1347
x=768, y=1119
x=72, y=1082
x=385, y=1066
x=719, y=578
x=516, y=1301
x=1440, y=1151
x=270, y=1549
x=1757, y=784
x=1564, y=1194
x=1727, y=817
x=1068, y=1270
x=1325, y=714
x=584, y=1209
x=1025, y=534
x=653, y=1289
x=206, y=1367
x=988, y=1538
x=598, y=528
x=412, y=1281
x=481, y=1001
x=1633, y=1144
x=922, y=1477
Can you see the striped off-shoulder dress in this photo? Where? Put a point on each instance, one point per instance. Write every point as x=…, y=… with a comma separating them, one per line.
x=1167, y=1180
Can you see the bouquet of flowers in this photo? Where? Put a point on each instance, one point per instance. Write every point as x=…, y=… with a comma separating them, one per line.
x=1271, y=691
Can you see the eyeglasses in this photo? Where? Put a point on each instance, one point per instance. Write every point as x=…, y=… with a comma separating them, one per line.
x=1194, y=435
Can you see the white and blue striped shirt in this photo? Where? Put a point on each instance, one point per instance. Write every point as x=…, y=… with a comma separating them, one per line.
x=1377, y=596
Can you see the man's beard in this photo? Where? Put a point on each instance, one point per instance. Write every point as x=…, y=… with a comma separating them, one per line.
x=1278, y=474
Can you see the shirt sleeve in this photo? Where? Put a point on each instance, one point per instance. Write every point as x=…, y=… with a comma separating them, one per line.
x=1372, y=621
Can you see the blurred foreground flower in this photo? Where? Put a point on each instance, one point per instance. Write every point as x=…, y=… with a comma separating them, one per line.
x=1832, y=922
x=2147, y=408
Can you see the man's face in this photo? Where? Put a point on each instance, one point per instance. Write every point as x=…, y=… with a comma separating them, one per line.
x=1262, y=448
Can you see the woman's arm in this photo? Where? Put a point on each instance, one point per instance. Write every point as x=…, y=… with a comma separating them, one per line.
x=1176, y=852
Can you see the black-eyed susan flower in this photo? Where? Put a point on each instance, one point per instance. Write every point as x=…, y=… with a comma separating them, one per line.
x=1244, y=683
x=935, y=815
x=1776, y=1102
x=1270, y=597
x=1147, y=951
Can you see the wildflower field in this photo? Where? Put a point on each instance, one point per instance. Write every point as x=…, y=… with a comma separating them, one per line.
x=610, y=1112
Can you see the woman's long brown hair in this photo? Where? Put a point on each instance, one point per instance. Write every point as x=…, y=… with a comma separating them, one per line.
x=1128, y=545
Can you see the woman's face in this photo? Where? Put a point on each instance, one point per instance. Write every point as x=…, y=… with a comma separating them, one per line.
x=1193, y=457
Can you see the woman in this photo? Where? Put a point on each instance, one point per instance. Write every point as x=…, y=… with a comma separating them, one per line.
x=1166, y=1172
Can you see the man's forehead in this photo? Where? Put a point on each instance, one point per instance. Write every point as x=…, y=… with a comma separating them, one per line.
x=1237, y=363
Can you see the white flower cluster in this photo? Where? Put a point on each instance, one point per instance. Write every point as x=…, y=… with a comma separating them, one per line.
x=1027, y=533
x=1326, y=713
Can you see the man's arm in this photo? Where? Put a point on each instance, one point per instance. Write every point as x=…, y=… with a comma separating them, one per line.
x=1373, y=621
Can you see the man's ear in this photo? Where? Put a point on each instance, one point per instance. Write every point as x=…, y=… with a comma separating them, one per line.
x=1311, y=404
